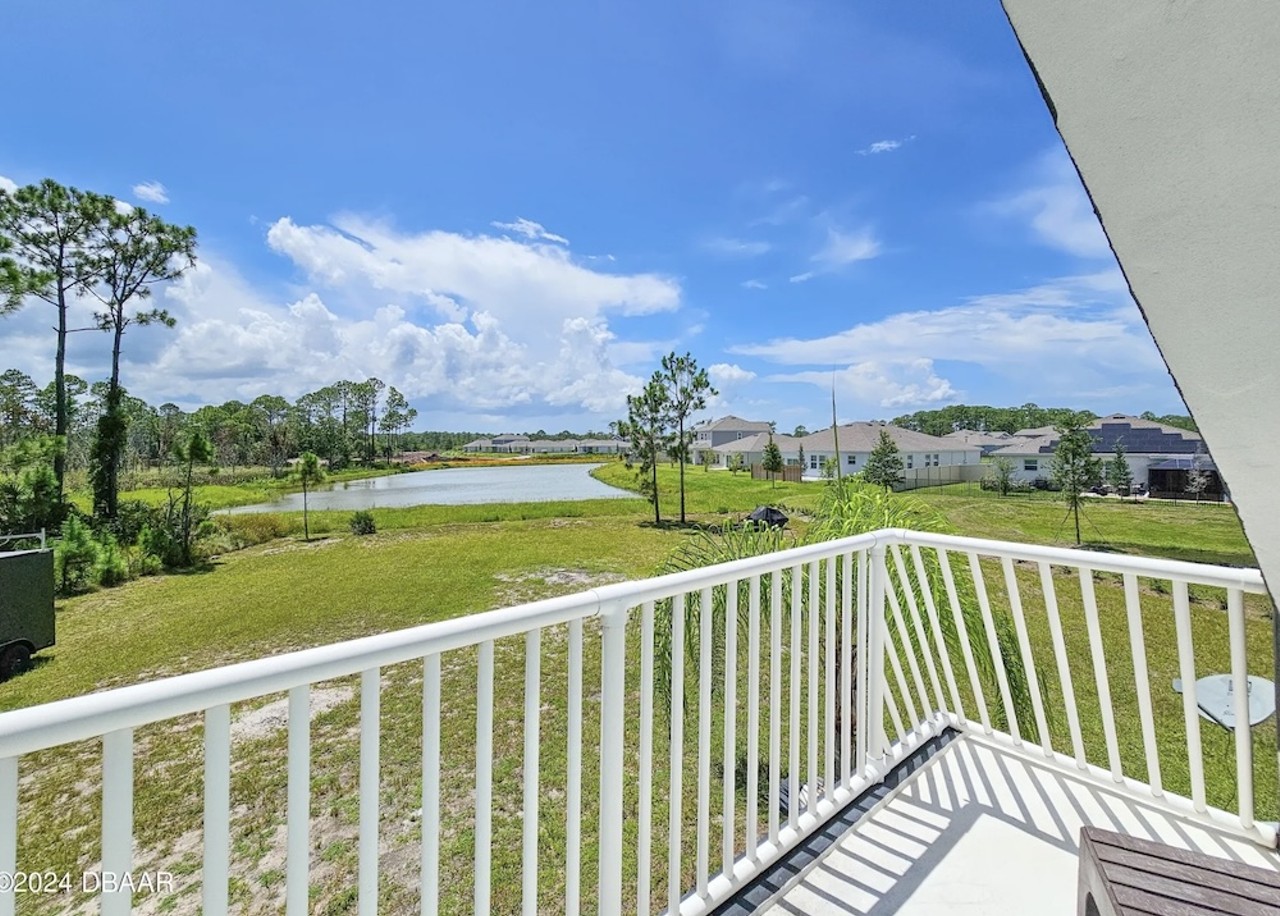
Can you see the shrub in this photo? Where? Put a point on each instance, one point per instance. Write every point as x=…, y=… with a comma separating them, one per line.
x=362, y=523
x=111, y=567
x=253, y=528
x=74, y=557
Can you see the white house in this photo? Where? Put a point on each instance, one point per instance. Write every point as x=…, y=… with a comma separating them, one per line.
x=920, y=451
x=1149, y=447
x=751, y=448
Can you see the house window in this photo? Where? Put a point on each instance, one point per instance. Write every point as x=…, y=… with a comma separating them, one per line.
x=911, y=461
x=937, y=459
x=739, y=436
x=1031, y=464
x=813, y=462
x=851, y=460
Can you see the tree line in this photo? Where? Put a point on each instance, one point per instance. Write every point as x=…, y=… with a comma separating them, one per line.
x=948, y=419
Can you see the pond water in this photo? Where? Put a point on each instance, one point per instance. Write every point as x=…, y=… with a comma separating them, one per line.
x=453, y=487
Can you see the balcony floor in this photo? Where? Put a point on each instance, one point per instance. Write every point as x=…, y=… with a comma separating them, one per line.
x=980, y=829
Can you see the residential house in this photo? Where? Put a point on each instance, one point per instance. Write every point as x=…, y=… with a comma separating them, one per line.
x=479, y=445
x=510, y=442
x=751, y=448
x=1160, y=457
x=711, y=433
x=921, y=453
x=599, y=446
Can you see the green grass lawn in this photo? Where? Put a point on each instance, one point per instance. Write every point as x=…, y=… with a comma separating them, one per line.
x=433, y=562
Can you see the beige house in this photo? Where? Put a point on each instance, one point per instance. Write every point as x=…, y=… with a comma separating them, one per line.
x=921, y=453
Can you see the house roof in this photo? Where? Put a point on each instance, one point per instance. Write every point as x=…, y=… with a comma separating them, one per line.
x=758, y=442
x=732, y=423
x=1138, y=436
x=478, y=443
x=974, y=437
x=863, y=437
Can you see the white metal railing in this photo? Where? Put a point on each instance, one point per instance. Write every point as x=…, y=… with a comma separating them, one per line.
x=811, y=671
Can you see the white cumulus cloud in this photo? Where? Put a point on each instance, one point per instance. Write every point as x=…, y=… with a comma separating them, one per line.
x=1057, y=209
x=152, y=192
x=1079, y=333
x=8, y=184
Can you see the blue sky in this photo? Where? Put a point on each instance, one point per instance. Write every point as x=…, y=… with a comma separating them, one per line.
x=510, y=211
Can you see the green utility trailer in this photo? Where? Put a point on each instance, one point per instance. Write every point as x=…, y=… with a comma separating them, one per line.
x=26, y=608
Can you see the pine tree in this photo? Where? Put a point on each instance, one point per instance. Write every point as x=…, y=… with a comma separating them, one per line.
x=772, y=460
x=884, y=466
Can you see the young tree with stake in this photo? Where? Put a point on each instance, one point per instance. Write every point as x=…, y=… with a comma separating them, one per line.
x=310, y=473
x=1075, y=466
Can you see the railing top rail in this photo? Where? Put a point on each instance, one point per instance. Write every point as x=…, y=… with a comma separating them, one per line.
x=1244, y=578
x=77, y=718
x=630, y=594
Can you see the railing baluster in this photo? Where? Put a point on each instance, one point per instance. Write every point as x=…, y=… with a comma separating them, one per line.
x=573, y=786
x=1240, y=691
x=1142, y=681
x=829, y=682
x=935, y=624
x=905, y=643
x=793, y=708
x=1024, y=648
x=613, y=693
x=1101, y=677
x=813, y=666
x=962, y=634
x=644, y=813
x=705, y=621
x=298, y=865
x=8, y=831
x=730, y=760
x=430, y=785
x=117, y=817
x=775, y=700
x=993, y=646
x=530, y=774
x=751, y=815
x=877, y=745
x=918, y=624
x=846, y=666
x=370, y=726
x=484, y=779
x=861, y=716
x=675, y=817
x=891, y=650
x=1190, y=708
x=1064, y=666
x=217, y=808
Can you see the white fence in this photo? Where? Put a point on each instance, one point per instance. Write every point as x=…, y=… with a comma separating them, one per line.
x=804, y=674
